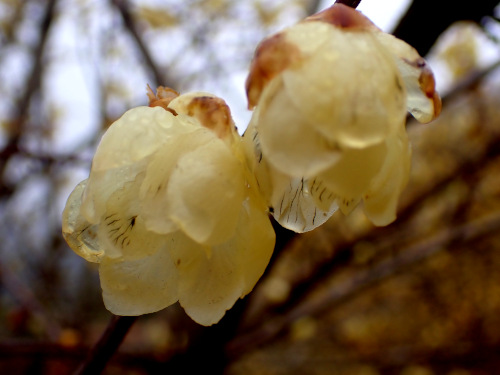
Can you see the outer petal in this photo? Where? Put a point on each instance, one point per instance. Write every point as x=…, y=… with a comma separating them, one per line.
x=380, y=202
x=352, y=175
x=299, y=205
x=102, y=184
x=137, y=134
x=80, y=235
x=254, y=240
x=292, y=201
x=288, y=140
x=122, y=230
x=210, y=285
x=155, y=201
x=139, y=286
x=423, y=102
x=350, y=90
x=124, y=152
x=205, y=192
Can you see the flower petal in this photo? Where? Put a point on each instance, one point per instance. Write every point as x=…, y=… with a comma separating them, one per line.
x=153, y=194
x=289, y=142
x=124, y=151
x=208, y=285
x=122, y=230
x=80, y=235
x=254, y=239
x=350, y=177
x=297, y=207
x=423, y=102
x=102, y=184
x=294, y=203
x=139, y=286
x=350, y=90
x=381, y=199
x=134, y=136
x=205, y=192
x=211, y=280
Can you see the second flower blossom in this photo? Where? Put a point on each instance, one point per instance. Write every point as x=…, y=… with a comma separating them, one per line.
x=328, y=130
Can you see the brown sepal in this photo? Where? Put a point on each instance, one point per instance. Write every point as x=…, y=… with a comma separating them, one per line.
x=162, y=98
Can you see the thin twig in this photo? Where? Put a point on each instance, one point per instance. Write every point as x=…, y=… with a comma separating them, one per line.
x=349, y=3
x=107, y=345
x=31, y=86
x=128, y=20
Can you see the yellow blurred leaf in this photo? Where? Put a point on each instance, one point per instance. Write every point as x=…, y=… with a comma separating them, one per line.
x=157, y=18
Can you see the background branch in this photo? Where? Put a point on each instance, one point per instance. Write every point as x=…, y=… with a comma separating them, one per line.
x=159, y=78
x=364, y=279
x=425, y=20
x=350, y=3
x=107, y=345
x=30, y=88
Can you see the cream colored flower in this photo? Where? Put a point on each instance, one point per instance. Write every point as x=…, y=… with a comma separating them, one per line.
x=170, y=211
x=331, y=96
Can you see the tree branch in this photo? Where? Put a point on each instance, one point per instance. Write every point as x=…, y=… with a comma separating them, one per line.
x=366, y=279
x=423, y=22
x=349, y=3
x=107, y=345
x=128, y=20
x=31, y=86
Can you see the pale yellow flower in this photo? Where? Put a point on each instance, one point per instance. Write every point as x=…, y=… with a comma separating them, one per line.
x=328, y=130
x=171, y=212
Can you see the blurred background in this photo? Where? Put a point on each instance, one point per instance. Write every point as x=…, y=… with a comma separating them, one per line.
x=419, y=297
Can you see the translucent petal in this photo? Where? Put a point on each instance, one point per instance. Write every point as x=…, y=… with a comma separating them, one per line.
x=253, y=242
x=350, y=177
x=380, y=201
x=156, y=206
x=205, y=192
x=293, y=203
x=289, y=142
x=102, y=184
x=134, y=136
x=423, y=102
x=122, y=231
x=80, y=235
x=139, y=286
x=210, y=285
x=350, y=91
x=124, y=152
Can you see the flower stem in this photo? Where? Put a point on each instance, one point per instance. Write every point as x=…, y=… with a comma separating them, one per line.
x=349, y=3
x=107, y=345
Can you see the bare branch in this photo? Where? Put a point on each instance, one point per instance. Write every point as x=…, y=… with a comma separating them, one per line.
x=31, y=86
x=349, y=3
x=365, y=279
x=107, y=345
x=128, y=20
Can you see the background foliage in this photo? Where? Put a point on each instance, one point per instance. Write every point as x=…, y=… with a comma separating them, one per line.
x=421, y=296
